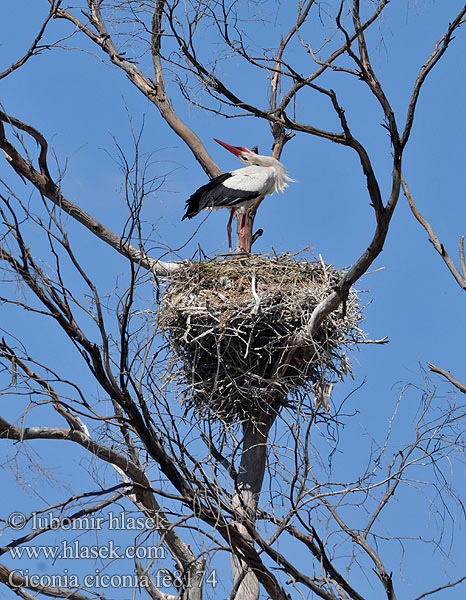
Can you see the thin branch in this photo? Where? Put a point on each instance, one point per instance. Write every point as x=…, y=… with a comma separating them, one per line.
x=105, y=453
x=9, y=353
x=290, y=568
x=439, y=49
x=34, y=48
x=227, y=465
x=442, y=587
x=461, y=252
x=210, y=514
x=277, y=131
x=385, y=578
x=459, y=277
x=371, y=79
x=333, y=301
x=449, y=376
x=318, y=550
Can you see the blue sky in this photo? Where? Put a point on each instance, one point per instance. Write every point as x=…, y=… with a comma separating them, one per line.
x=80, y=104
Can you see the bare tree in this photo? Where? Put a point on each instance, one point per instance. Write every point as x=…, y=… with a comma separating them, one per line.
x=199, y=483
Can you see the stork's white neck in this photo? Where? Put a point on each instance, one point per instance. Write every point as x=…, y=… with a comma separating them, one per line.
x=281, y=176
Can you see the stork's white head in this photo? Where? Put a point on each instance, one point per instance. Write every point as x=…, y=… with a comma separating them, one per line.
x=246, y=156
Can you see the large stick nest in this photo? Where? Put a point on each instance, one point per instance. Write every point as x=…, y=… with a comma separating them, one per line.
x=236, y=329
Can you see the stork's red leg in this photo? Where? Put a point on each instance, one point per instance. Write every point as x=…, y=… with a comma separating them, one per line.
x=232, y=214
x=241, y=231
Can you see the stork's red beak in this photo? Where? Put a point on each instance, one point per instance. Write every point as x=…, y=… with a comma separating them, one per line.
x=236, y=150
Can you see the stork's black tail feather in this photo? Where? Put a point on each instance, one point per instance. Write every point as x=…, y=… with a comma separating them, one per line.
x=203, y=198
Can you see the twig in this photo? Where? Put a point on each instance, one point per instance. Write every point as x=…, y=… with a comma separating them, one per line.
x=442, y=587
x=219, y=457
x=34, y=48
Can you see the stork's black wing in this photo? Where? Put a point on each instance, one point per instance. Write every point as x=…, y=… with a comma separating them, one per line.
x=215, y=195
x=200, y=199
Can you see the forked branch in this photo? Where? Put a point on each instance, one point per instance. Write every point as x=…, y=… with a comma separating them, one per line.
x=35, y=47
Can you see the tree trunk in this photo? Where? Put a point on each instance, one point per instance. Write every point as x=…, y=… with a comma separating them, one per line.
x=246, y=497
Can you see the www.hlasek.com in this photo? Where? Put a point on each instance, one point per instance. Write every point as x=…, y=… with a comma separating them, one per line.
x=74, y=550
x=162, y=579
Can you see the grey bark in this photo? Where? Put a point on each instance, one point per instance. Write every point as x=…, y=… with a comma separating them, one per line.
x=246, y=498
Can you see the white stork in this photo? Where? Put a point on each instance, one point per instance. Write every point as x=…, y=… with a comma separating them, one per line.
x=239, y=189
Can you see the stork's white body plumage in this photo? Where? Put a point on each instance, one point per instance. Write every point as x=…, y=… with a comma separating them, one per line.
x=263, y=180
x=239, y=189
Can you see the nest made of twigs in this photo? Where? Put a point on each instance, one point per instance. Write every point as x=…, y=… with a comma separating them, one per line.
x=236, y=329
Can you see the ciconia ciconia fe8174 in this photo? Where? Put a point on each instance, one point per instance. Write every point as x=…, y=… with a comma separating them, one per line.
x=239, y=189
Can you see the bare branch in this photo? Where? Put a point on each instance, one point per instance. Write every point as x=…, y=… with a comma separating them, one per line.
x=333, y=301
x=13, y=432
x=439, y=49
x=447, y=375
x=329, y=62
x=459, y=277
x=277, y=131
x=370, y=78
x=441, y=588
x=34, y=48
x=385, y=578
x=461, y=252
